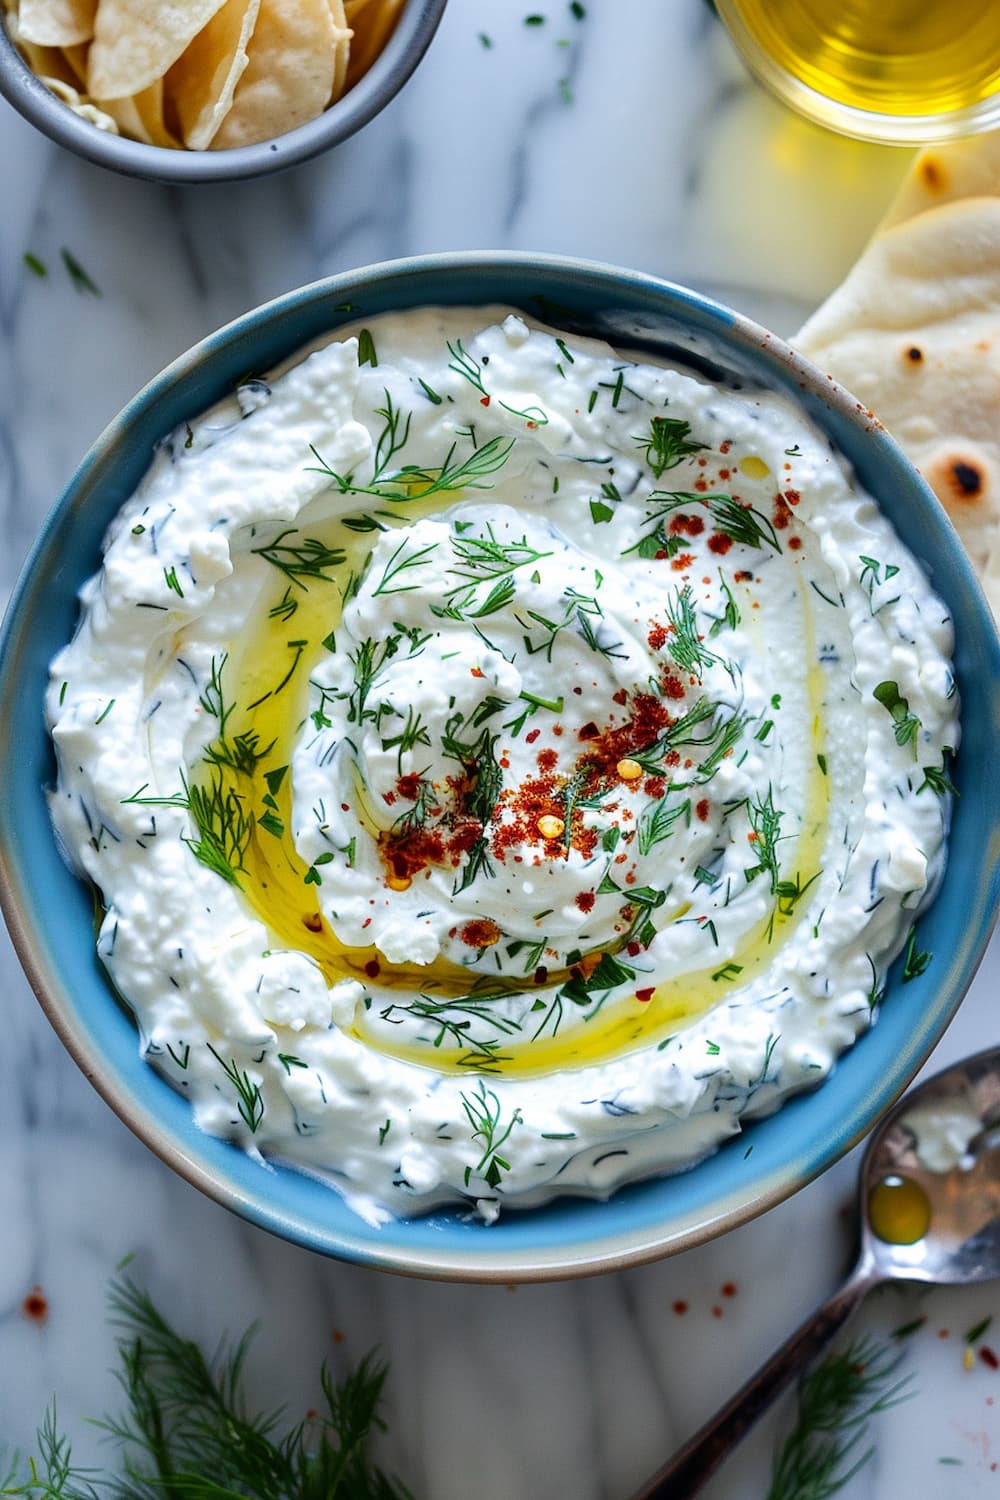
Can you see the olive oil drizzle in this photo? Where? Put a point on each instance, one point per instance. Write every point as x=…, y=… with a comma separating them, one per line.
x=272, y=672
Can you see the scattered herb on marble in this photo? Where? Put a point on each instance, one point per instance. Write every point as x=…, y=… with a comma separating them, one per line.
x=837, y=1399
x=79, y=277
x=185, y=1429
x=36, y=266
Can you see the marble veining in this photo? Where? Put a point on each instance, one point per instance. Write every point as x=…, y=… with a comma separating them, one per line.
x=640, y=141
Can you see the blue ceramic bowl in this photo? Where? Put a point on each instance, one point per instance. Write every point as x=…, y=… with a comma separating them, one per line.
x=50, y=912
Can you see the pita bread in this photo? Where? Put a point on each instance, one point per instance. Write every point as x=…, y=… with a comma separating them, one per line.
x=914, y=333
x=943, y=174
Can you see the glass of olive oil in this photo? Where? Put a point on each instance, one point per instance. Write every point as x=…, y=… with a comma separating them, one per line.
x=898, y=71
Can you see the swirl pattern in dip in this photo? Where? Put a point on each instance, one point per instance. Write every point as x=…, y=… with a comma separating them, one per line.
x=504, y=765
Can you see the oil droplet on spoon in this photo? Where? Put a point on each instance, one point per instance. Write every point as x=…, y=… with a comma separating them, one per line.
x=899, y=1211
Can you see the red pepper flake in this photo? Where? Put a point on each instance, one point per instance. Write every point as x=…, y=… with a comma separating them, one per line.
x=658, y=636
x=682, y=562
x=944, y=1333
x=620, y=697
x=672, y=686
x=719, y=543
x=588, y=731
x=35, y=1306
x=388, y=798
x=373, y=968
x=654, y=786
x=557, y=729
x=781, y=513
x=345, y=807
x=793, y=497
x=409, y=786
x=729, y=1289
x=476, y=672
x=578, y=691
x=680, y=1307
x=633, y=949
x=644, y=996
x=701, y=484
x=725, y=447
x=484, y=400
x=703, y=808
x=547, y=760
x=743, y=576
x=585, y=900
x=337, y=1336
x=988, y=1357
x=481, y=933
x=724, y=473
x=532, y=736
x=685, y=525
x=716, y=1312
x=795, y=542
x=313, y=921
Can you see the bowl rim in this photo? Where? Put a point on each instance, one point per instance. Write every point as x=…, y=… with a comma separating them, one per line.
x=412, y=35
x=492, y=1261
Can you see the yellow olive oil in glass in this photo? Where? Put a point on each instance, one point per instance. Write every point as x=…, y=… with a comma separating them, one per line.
x=905, y=70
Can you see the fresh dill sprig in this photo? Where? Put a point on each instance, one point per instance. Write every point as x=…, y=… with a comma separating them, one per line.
x=484, y=1113
x=743, y=524
x=837, y=1399
x=309, y=558
x=413, y=482
x=685, y=641
x=185, y=1428
x=479, y=759
x=456, y=1020
x=765, y=821
x=368, y=661
x=414, y=732
x=667, y=443
x=249, y=1099
x=224, y=827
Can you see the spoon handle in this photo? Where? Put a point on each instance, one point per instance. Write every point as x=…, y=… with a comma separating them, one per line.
x=694, y=1464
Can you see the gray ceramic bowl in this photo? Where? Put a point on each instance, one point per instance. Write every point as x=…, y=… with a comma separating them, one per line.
x=382, y=82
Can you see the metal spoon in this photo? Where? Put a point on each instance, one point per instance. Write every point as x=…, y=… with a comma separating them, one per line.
x=930, y=1211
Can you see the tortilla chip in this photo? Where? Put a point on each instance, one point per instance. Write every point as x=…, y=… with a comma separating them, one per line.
x=56, y=23
x=136, y=41
x=202, y=83
x=76, y=61
x=373, y=25
x=141, y=117
x=289, y=77
x=341, y=47
x=914, y=332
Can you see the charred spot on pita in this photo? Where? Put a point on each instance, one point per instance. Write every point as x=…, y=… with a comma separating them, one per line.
x=933, y=175
x=968, y=478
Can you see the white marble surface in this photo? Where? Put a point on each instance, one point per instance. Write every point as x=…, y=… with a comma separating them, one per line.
x=665, y=158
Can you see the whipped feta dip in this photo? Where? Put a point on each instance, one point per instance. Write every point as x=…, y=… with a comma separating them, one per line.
x=505, y=765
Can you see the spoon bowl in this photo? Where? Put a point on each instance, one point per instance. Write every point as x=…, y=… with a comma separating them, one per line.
x=939, y=1150
x=929, y=1210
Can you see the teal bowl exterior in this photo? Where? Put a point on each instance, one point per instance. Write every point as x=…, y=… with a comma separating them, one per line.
x=50, y=912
